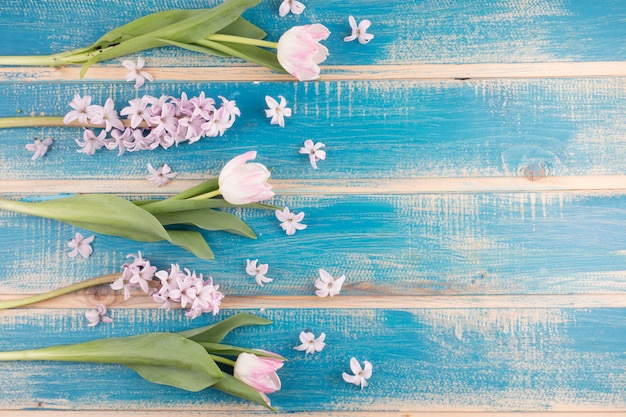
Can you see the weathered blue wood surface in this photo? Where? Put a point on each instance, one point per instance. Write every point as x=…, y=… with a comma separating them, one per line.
x=479, y=222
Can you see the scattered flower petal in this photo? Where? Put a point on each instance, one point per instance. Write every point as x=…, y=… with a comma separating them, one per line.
x=359, y=31
x=314, y=151
x=293, y=6
x=290, y=222
x=136, y=72
x=245, y=183
x=161, y=176
x=39, y=147
x=327, y=285
x=299, y=51
x=81, y=245
x=361, y=375
x=258, y=272
x=310, y=344
x=277, y=111
x=97, y=315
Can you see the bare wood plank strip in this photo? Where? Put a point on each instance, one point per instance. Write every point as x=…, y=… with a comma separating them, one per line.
x=615, y=183
x=334, y=73
x=89, y=298
x=399, y=413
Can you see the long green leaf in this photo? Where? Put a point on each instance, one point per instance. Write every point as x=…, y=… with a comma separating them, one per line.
x=100, y=213
x=187, y=29
x=217, y=332
x=248, y=52
x=163, y=358
x=242, y=27
x=208, y=219
x=228, y=350
x=192, y=241
x=168, y=206
x=230, y=385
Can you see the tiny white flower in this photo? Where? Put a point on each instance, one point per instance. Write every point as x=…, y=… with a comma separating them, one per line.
x=290, y=222
x=327, y=285
x=314, y=151
x=277, y=111
x=81, y=245
x=136, y=72
x=361, y=375
x=97, y=315
x=359, y=31
x=39, y=147
x=258, y=271
x=310, y=344
x=293, y=6
x=161, y=176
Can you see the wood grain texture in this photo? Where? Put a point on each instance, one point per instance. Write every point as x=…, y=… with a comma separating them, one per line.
x=474, y=195
x=371, y=129
x=441, y=360
x=432, y=31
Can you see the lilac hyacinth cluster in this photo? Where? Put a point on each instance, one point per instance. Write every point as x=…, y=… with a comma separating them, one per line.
x=152, y=122
x=175, y=286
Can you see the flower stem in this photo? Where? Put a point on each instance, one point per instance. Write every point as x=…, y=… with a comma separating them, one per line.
x=104, y=279
x=241, y=40
x=221, y=359
x=206, y=196
x=50, y=121
x=77, y=56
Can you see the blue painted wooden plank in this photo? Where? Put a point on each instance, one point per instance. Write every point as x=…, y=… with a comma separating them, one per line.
x=441, y=359
x=458, y=31
x=523, y=243
x=415, y=129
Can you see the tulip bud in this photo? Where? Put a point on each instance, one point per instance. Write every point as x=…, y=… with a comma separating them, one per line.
x=299, y=51
x=242, y=183
x=259, y=372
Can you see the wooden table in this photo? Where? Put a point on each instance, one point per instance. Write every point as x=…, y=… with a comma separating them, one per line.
x=473, y=196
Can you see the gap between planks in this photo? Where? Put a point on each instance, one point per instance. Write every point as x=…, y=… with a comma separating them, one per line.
x=89, y=297
x=332, y=73
x=424, y=185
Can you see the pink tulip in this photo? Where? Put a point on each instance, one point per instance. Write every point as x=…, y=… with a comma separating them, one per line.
x=242, y=183
x=259, y=372
x=299, y=51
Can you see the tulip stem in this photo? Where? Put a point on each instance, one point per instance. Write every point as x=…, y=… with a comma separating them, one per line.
x=241, y=40
x=104, y=279
x=206, y=196
x=223, y=360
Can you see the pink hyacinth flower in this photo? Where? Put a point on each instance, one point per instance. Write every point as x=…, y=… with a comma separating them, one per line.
x=299, y=51
x=242, y=183
x=259, y=372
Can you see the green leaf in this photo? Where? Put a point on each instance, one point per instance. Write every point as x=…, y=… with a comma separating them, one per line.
x=162, y=358
x=209, y=220
x=217, y=332
x=143, y=25
x=196, y=48
x=242, y=27
x=248, y=52
x=231, y=385
x=100, y=213
x=228, y=350
x=187, y=29
x=192, y=241
x=168, y=206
